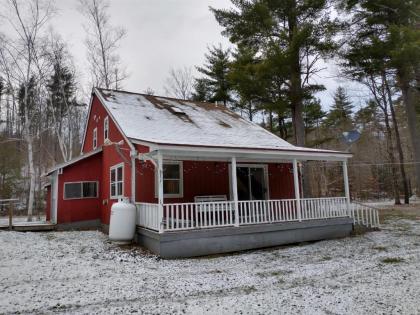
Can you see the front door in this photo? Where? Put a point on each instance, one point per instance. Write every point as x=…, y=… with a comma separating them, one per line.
x=251, y=183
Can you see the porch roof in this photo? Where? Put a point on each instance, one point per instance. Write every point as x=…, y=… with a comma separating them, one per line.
x=245, y=154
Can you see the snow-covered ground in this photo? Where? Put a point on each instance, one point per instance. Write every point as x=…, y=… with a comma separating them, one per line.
x=81, y=272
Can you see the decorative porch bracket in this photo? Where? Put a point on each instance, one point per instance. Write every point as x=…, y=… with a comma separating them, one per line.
x=235, y=189
x=297, y=189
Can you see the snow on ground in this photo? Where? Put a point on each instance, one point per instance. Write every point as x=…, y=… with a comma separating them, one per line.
x=81, y=272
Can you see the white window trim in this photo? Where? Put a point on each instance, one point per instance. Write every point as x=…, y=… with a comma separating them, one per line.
x=114, y=167
x=81, y=182
x=181, y=180
x=266, y=177
x=95, y=138
x=106, y=128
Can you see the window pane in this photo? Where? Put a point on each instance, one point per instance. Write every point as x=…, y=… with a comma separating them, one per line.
x=112, y=190
x=112, y=176
x=171, y=171
x=89, y=190
x=120, y=174
x=120, y=188
x=73, y=190
x=171, y=186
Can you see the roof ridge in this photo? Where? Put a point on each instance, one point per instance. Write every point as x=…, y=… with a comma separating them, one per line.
x=161, y=96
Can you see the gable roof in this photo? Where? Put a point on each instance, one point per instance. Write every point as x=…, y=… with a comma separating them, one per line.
x=168, y=121
x=163, y=120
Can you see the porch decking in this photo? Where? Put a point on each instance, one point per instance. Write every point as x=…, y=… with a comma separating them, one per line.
x=206, y=215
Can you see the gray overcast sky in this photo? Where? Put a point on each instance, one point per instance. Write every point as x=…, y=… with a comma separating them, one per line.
x=162, y=34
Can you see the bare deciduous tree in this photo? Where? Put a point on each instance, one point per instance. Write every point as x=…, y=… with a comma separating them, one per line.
x=20, y=60
x=102, y=42
x=180, y=83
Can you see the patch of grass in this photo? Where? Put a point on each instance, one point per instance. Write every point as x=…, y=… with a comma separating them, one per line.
x=249, y=289
x=215, y=271
x=50, y=237
x=380, y=248
x=392, y=260
x=274, y=273
x=326, y=258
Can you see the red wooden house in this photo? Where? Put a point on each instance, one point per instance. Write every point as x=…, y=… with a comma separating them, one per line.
x=204, y=179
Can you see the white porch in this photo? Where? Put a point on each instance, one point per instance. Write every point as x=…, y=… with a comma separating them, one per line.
x=163, y=217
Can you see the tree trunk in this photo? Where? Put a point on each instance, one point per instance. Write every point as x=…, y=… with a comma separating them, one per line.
x=409, y=104
x=399, y=145
x=296, y=92
x=31, y=198
x=390, y=149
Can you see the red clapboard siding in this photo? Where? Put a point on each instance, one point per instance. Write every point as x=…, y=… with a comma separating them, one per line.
x=75, y=210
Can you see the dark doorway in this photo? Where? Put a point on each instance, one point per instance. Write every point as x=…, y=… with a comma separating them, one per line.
x=251, y=183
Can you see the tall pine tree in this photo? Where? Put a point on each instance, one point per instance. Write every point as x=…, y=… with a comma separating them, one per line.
x=215, y=84
x=339, y=117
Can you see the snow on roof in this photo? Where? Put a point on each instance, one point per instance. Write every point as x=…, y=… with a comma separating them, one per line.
x=171, y=121
x=73, y=160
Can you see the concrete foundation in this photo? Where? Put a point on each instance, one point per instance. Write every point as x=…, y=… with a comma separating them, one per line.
x=180, y=244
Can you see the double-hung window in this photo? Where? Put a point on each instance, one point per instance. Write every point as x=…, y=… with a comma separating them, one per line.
x=117, y=181
x=80, y=190
x=106, y=128
x=172, y=179
x=95, y=138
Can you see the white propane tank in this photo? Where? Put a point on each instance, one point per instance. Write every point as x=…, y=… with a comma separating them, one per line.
x=123, y=221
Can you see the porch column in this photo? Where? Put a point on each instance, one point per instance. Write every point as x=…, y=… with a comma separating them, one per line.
x=346, y=186
x=235, y=189
x=160, y=190
x=297, y=189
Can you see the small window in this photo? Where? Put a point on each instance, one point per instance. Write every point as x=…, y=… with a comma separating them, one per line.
x=80, y=190
x=95, y=138
x=117, y=181
x=172, y=179
x=106, y=128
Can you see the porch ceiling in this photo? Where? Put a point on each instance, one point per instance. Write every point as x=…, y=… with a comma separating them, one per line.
x=249, y=155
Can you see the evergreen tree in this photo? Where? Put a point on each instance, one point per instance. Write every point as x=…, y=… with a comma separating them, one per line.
x=292, y=35
x=215, y=80
x=61, y=87
x=201, y=91
x=313, y=114
x=340, y=115
x=246, y=80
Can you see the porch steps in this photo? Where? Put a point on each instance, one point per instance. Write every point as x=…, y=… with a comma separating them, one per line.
x=364, y=216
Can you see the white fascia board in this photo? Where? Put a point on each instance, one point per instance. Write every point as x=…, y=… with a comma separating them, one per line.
x=86, y=122
x=202, y=153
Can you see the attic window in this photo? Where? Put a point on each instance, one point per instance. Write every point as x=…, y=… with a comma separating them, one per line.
x=106, y=128
x=95, y=138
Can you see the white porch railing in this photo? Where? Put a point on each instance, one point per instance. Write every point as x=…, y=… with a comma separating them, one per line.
x=196, y=215
x=148, y=215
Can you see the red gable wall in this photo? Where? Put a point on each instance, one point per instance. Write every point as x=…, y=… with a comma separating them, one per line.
x=84, y=170
x=96, y=119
